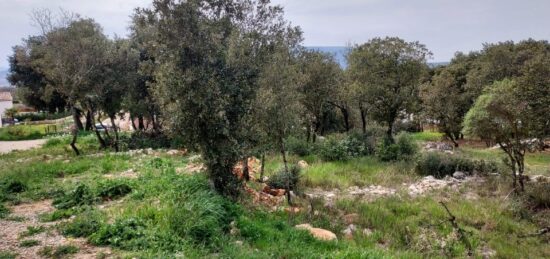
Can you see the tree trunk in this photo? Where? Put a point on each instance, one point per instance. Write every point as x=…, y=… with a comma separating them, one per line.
x=246, y=173
x=133, y=123
x=452, y=138
x=115, y=129
x=262, y=168
x=140, y=122
x=363, y=120
x=77, y=123
x=76, y=118
x=89, y=121
x=389, y=132
x=283, y=153
x=345, y=114
x=98, y=135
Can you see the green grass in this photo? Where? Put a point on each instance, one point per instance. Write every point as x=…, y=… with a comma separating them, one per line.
x=427, y=136
x=29, y=243
x=58, y=252
x=166, y=214
x=31, y=231
x=23, y=132
x=7, y=254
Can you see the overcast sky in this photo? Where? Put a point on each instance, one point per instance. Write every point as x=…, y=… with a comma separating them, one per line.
x=445, y=26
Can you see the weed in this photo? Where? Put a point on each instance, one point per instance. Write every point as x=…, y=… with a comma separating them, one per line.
x=124, y=233
x=29, y=243
x=32, y=230
x=81, y=195
x=7, y=255
x=111, y=190
x=83, y=225
x=58, y=252
x=4, y=212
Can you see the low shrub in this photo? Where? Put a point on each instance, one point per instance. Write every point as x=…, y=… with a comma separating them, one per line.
x=58, y=214
x=141, y=139
x=123, y=233
x=58, y=252
x=538, y=195
x=4, y=212
x=404, y=148
x=29, y=243
x=83, y=225
x=299, y=147
x=440, y=165
x=359, y=144
x=279, y=180
x=81, y=195
x=333, y=149
x=111, y=190
x=14, y=186
x=31, y=231
x=200, y=214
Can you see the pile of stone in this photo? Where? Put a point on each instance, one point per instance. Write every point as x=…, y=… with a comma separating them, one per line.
x=439, y=147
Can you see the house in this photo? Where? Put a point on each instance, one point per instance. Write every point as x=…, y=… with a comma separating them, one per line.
x=6, y=102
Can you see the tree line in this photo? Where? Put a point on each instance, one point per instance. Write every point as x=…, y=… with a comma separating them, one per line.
x=232, y=79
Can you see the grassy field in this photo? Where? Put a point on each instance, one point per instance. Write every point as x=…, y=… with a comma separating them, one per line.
x=149, y=206
x=24, y=132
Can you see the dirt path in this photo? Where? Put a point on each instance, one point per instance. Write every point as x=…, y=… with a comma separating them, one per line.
x=8, y=146
x=27, y=215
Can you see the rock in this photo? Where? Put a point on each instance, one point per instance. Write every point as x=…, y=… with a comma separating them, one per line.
x=318, y=233
x=351, y=218
x=239, y=242
x=265, y=179
x=538, y=178
x=348, y=232
x=487, y=252
x=303, y=164
x=459, y=175
x=195, y=167
x=266, y=189
x=277, y=192
x=293, y=210
x=175, y=152
x=367, y=231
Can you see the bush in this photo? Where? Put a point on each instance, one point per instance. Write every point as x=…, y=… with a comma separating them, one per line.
x=297, y=146
x=440, y=165
x=141, y=139
x=13, y=186
x=4, y=212
x=123, y=233
x=112, y=190
x=359, y=144
x=83, y=225
x=81, y=195
x=279, y=180
x=538, y=195
x=199, y=213
x=333, y=149
x=403, y=148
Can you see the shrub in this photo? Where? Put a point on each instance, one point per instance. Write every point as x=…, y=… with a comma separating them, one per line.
x=81, y=195
x=31, y=231
x=199, y=213
x=83, y=225
x=141, y=139
x=440, y=165
x=111, y=190
x=298, y=146
x=57, y=215
x=279, y=179
x=59, y=252
x=333, y=149
x=123, y=233
x=14, y=186
x=359, y=144
x=4, y=212
x=538, y=195
x=403, y=148
x=29, y=243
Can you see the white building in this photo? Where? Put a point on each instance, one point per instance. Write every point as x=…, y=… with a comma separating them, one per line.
x=6, y=102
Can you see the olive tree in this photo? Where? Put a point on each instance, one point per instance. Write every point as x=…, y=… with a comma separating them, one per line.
x=209, y=58
x=388, y=72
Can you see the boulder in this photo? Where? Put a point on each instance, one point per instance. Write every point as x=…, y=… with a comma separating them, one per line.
x=459, y=175
x=303, y=164
x=318, y=233
x=348, y=232
x=277, y=192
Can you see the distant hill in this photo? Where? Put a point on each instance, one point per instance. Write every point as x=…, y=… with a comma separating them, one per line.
x=3, y=75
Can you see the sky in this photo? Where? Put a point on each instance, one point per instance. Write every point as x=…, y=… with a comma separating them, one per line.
x=444, y=26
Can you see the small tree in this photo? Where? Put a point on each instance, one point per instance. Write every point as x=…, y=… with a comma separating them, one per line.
x=10, y=113
x=501, y=117
x=389, y=72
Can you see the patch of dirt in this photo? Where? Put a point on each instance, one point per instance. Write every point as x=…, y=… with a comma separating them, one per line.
x=29, y=215
x=8, y=146
x=373, y=192
x=130, y=173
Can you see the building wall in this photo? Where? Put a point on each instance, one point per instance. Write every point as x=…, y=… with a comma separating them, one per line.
x=4, y=105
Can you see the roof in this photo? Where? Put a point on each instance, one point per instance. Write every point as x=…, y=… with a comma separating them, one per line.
x=5, y=96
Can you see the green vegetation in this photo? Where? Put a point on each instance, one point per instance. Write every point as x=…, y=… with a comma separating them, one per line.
x=58, y=252
x=29, y=243
x=23, y=132
x=31, y=231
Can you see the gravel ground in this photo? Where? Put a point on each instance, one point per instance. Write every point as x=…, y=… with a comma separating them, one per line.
x=28, y=215
x=8, y=146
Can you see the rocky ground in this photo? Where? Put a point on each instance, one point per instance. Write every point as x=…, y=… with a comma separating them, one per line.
x=27, y=215
x=8, y=146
